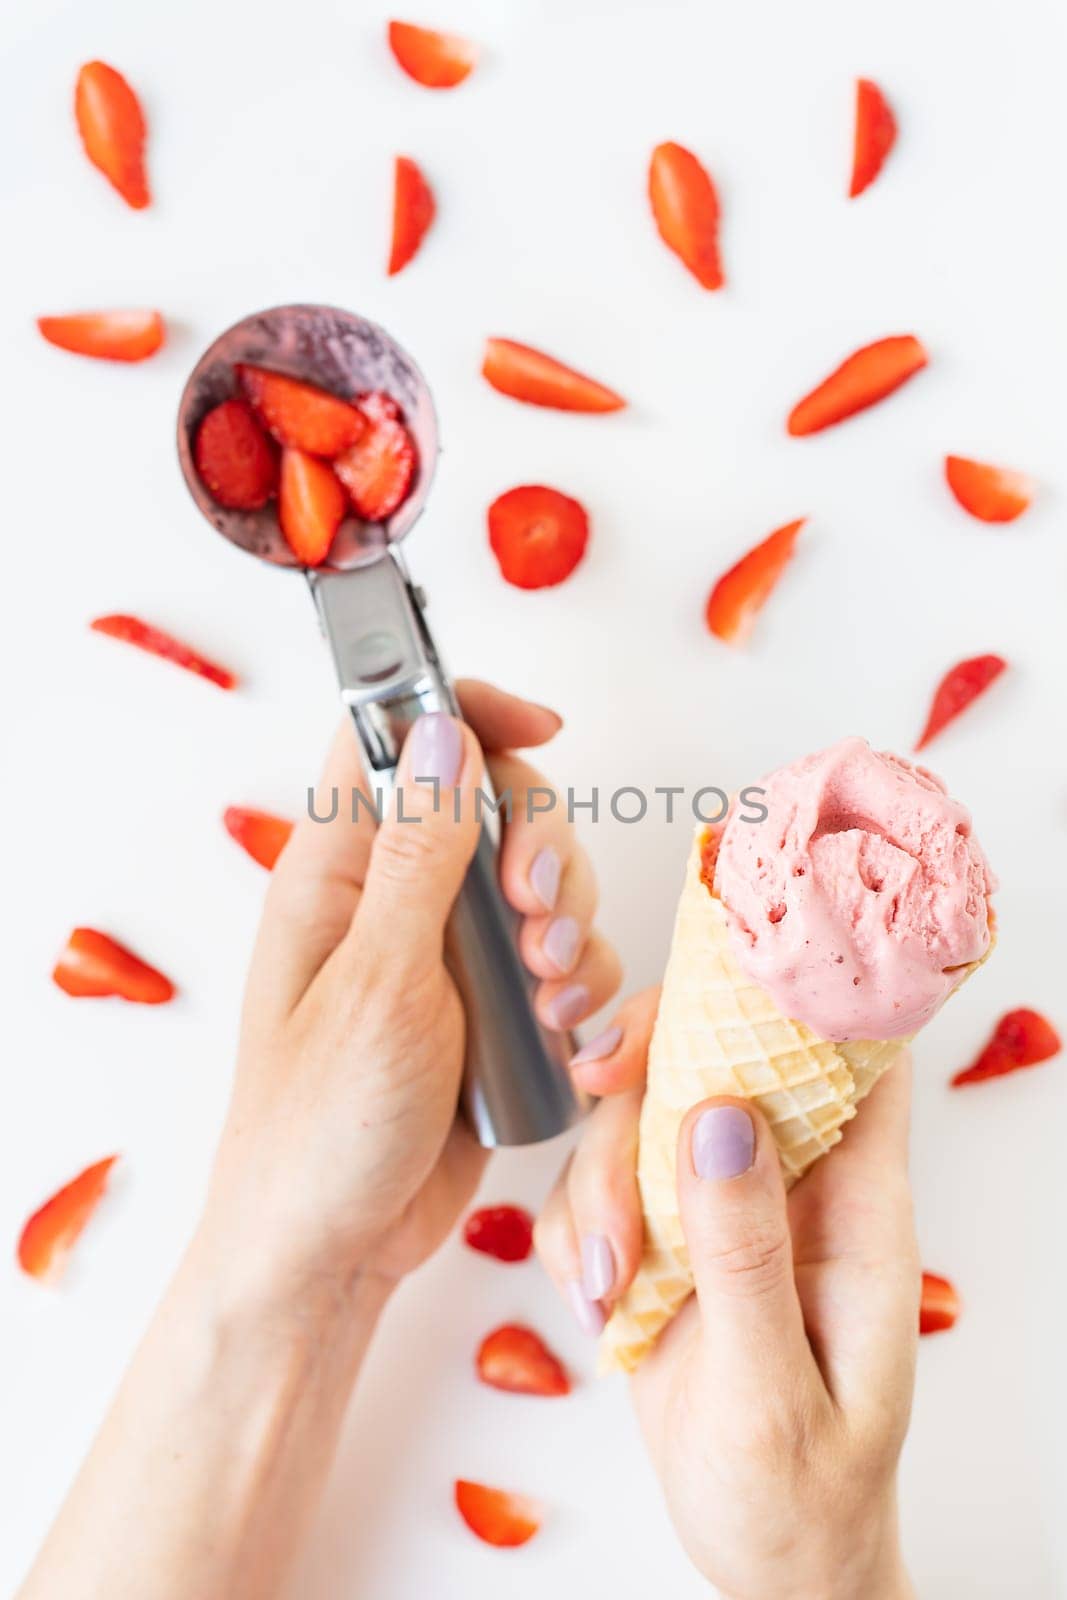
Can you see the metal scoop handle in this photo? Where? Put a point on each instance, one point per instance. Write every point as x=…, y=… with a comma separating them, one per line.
x=517, y=1088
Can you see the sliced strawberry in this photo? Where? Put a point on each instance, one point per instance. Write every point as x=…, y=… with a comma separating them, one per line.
x=505, y=1232
x=107, y=335
x=1020, y=1039
x=863, y=379
x=112, y=128
x=378, y=471
x=413, y=211
x=992, y=494
x=530, y=375
x=496, y=1515
x=436, y=60
x=52, y=1232
x=537, y=535
x=261, y=833
x=311, y=506
x=686, y=209
x=739, y=596
x=876, y=132
x=517, y=1359
x=92, y=966
x=377, y=406
x=300, y=414
x=236, y=461
x=940, y=1304
x=961, y=684
x=131, y=630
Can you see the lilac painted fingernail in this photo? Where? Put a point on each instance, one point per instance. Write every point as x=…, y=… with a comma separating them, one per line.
x=598, y=1266
x=545, y=873
x=604, y=1044
x=436, y=748
x=568, y=1007
x=560, y=943
x=724, y=1143
x=588, y=1315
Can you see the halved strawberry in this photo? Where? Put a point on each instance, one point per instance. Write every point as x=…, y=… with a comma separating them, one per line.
x=505, y=1232
x=262, y=834
x=496, y=1515
x=1021, y=1038
x=436, y=60
x=517, y=1359
x=107, y=335
x=940, y=1304
x=739, y=595
x=112, y=127
x=94, y=966
x=876, y=132
x=311, y=506
x=527, y=374
x=131, y=630
x=537, y=535
x=236, y=461
x=51, y=1233
x=961, y=684
x=992, y=494
x=301, y=414
x=378, y=471
x=686, y=209
x=860, y=381
x=413, y=211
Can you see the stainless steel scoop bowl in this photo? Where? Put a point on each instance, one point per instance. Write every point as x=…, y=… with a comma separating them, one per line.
x=517, y=1087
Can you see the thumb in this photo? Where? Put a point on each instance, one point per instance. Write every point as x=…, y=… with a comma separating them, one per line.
x=423, y=848
x=734, y=1217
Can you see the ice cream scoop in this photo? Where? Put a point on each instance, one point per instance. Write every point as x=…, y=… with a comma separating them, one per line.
x=861, y=899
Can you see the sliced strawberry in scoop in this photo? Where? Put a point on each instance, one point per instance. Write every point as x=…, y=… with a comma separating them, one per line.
x=686, y=208
x=263, y=835
x=537, y=535
x=961, y=684
x=300, y=414
x=236, y=461
x=529, y=375
x=311, y=506
x=436, y=60
x=505, y=1232
x=992, y=494
x=378, y=471
x=52, y=1232
x=112, y=128
x=741, y=593
x=106, y=335
x=518, y=1360
x=940, y=1304
x=413, y=212
x=94, y=966
x=1020, y=1039
x=876, y=133
x=496, y=1515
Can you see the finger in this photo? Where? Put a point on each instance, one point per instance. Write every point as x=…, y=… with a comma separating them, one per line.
x=557, y=1246
x=502, y=721
x=538, y=841
x=733, y=1211
x=604, y=1200
x=552, y=946
x=616, y=1059
x=564, y=1002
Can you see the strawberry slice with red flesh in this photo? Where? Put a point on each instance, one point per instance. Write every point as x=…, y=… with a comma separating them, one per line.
x=112, y=128
x=235, y=460
x=961, y=684
x=992, y=494
x=940, y=1304
x=106, y=335
x=686, y=208
x=263, y=835
x=876, y=134
x=311, y=506
x=436, y=60
x=496, y=1515
x=301, y=415
x=413, y=211
x=518, y=1360
x=505, y=1232
x=131, y=630
x=1021, y=1038
x=94, y=966
x=378, y=471
x=529, y=375
x=52, y=1232
x=860, y=381
x=538, y=535
x=740, y=594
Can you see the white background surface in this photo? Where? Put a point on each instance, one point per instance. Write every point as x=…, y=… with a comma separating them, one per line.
x=272, y=133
